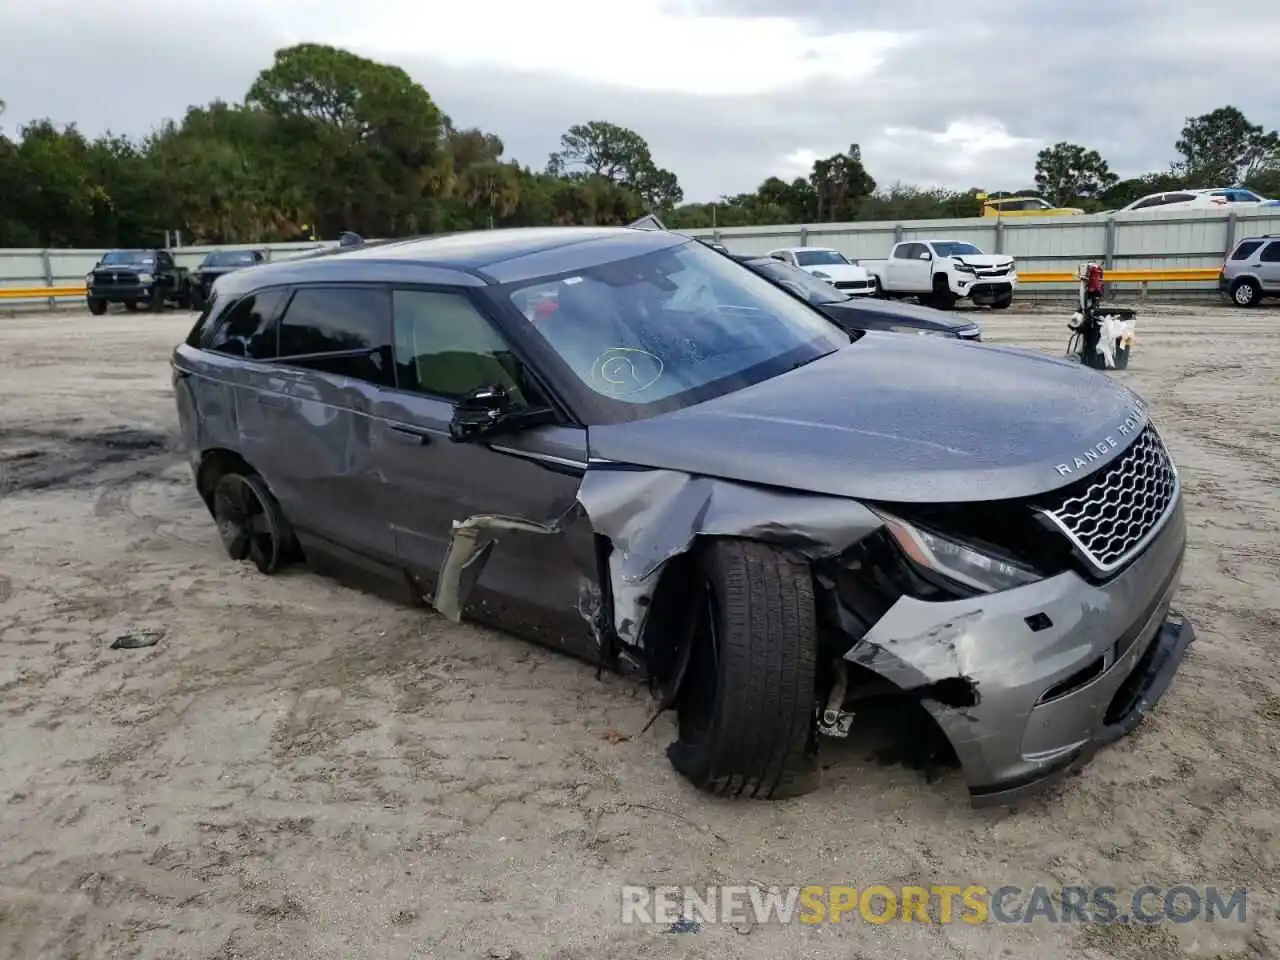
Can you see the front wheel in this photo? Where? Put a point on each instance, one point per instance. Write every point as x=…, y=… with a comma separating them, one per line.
x=746, y=706
x=942, y=298
x=877, y=291
x=1245, y=292
x=97, y=306
x=156, y=303
x=131, y=305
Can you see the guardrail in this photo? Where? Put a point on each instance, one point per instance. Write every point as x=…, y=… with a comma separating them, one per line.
x=1187, y=275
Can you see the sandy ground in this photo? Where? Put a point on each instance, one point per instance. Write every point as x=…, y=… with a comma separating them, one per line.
x=297, y=770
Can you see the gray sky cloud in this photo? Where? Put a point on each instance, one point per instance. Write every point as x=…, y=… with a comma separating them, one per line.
x=932, y=99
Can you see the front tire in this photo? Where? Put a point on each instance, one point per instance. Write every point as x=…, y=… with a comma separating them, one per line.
x=97, y=306
x=746, y=707
x=1245, y=292
x=942, y=298
x=877, y=291
x=156, y=303
x=131, y=305
x=1002, y=304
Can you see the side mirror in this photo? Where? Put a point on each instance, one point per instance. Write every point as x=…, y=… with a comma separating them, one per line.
x=926, y=255
x=478, y=413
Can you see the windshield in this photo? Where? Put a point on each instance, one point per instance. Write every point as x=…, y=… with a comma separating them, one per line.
x=800, y=282
x=670, y=328
x=129, y=256
x=953, y=248
x=815, y=258
x=232, y=258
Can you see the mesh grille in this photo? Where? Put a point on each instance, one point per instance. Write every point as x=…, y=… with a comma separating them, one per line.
x=1113, y=517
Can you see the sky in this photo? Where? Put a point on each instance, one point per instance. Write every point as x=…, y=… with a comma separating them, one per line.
x=726, y=92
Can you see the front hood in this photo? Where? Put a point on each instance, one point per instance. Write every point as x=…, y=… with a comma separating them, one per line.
x=890, y=314
x=901, y=419
x=839, y=271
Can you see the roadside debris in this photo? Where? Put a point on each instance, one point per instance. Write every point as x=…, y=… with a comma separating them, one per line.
x=137, y=639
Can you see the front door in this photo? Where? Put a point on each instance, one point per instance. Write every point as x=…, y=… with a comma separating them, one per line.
x=540, y=585
x=1269, y=266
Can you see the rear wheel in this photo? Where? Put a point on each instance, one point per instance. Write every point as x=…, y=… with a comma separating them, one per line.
x=746, y=706
x=1245, y=292
x=97, y=306
x=250, y=522
x=943, y=298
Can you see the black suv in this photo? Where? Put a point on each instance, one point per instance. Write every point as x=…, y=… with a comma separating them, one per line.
x=131, y=277
x=214, y=266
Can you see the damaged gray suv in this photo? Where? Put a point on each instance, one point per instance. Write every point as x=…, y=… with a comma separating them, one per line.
x=625, y=445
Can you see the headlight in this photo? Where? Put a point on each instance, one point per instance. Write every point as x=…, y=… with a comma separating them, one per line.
x=88, y=279
x=820, y=275
x=923, y=331
x=145, y=278
x=956, y=561
x=963, y=267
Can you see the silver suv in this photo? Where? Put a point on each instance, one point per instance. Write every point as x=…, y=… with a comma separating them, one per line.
x=1252, y=270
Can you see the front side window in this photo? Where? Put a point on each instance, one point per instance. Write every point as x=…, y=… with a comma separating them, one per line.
x=247, y=329
x=340, y=330
x=818, y=258
x=446, y=347
x=669, y=328
x=1272, y=253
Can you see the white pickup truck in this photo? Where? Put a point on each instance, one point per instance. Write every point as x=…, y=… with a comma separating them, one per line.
x=941, y=272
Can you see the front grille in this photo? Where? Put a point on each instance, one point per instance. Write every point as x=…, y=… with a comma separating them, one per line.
x=115, y=276
x=852, y=284
x=993, y=272
x=1123, y=505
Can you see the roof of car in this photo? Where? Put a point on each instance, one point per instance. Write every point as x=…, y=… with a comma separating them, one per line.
x=475, y=258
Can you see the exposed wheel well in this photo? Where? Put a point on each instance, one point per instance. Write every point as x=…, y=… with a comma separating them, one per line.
x=214, y=465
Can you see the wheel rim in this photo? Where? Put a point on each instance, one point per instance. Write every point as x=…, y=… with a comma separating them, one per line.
x=245, y=523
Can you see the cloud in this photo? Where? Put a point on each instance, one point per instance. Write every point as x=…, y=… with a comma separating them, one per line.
x=726, y=92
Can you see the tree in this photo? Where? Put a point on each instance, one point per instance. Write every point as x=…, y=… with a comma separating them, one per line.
x=841, y=183
x=618, y=155
x=1068, y=172
x=1222, y=148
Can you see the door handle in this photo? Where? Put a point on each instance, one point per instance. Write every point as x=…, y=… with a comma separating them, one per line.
x=412, y=434
x=272, y=400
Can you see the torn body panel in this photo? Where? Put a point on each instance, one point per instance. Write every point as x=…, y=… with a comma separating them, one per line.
x=653, y=516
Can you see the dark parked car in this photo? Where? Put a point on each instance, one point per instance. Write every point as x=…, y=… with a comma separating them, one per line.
x=861, y=313
x=628, y=446
x=131, y=277
x=217, y=264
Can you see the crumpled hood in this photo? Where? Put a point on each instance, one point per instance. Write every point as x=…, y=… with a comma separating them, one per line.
x=839, y=271
x=898, y=418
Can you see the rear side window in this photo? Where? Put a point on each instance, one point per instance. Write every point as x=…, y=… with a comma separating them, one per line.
x=1152, y=202
x=1246, y=250
x=1272, y=253
x=199, y=335
x=1179, y=197
x=248, y=329
x=340, y=330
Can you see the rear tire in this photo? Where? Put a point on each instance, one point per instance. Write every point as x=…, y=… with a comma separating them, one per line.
x=250, y=522
x=1245, y=292
x=746, y=708
x=97, y=306
x=942, y=298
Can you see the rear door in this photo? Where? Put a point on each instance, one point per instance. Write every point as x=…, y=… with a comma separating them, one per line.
x=535, y=584
x=334, y=356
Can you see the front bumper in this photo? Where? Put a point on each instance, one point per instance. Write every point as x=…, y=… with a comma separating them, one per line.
x=119, y=292
x=1061, y=667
